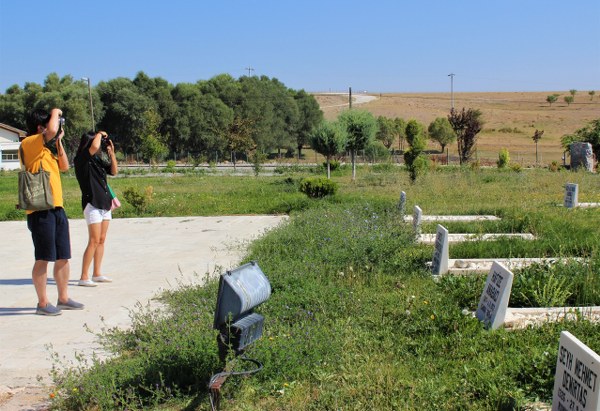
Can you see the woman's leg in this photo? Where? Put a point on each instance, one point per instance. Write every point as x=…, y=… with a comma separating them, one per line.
x=99, y=253
x=94, y=233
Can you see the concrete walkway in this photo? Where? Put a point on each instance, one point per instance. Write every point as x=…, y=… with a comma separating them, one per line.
x=143, y=256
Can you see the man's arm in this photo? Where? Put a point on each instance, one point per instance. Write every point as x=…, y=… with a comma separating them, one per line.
x=63, y=160
x=52, y=127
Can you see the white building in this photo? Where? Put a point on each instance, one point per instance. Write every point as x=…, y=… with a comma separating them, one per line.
x=10, y=141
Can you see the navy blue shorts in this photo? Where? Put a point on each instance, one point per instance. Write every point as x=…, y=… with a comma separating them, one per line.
x=50, y=234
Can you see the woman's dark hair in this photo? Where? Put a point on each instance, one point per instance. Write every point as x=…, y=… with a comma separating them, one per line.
x=86, y=140
x=37, y=117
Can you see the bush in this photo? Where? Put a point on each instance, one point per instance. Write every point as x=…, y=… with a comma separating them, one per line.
x=170, y=168
x=503, y=158
x=516, y=167
x=554, y=166
x=376, y=151
x=138, y=200
x=317, y=187
x=333, y=165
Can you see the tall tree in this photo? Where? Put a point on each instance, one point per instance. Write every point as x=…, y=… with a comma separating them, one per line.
x=152, y=143
x=400, y=129
x=386, y=131
x=124, y=117
x=552, y=98
x=573, y=92
x=239, y=137
x=440, y=131
x=12, y=107
x=328, y=139
x=361, y=127
x=310, y=116
x=413, y=157
x=202, y=120
x=466, y=124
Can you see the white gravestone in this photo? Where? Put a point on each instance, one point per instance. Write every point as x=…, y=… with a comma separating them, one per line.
x=439, y=264
x=402, y=203
x=494, y=299
x=571, y=195
x=417, y=217
x=576, y=384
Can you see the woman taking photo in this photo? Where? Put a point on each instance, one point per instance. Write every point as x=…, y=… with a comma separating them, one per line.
x=95, y=159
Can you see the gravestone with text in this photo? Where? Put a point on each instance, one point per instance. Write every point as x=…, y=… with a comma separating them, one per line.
x=571, y=195
x=417, y=218
x=576, y=384
x=494, y=299
x=439, y=264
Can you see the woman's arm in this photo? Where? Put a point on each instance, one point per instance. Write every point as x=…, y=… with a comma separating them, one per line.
x=114, y=168
x=96, y=142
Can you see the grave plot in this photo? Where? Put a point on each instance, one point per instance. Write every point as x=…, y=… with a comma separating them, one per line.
x=442, y=264
x=494, y=312
x=571, y=198
x=441, y=218
x=460, y=237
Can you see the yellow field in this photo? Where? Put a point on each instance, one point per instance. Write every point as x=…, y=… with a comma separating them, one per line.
x=520, y=112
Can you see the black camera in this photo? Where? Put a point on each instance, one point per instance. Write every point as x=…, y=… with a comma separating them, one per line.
x=61, y=123
x=104, y=142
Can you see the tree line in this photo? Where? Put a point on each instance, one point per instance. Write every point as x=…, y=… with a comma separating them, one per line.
x=155, y=118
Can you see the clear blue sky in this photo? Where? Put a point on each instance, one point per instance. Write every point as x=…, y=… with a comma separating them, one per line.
x=316, y=45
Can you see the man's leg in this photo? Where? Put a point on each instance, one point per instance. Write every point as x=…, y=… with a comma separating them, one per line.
x=39, y=275
x=62, y=270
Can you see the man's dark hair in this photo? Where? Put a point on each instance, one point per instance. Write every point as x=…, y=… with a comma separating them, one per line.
x=37, y=117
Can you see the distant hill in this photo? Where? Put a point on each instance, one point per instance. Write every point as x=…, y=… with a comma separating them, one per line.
x=511, y=118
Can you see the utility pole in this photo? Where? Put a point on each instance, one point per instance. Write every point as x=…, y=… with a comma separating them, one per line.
x=451, y=75
x=250, y=69
x=350, y=97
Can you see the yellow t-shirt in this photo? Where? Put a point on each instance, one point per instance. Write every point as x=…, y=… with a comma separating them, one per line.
x=36, y=154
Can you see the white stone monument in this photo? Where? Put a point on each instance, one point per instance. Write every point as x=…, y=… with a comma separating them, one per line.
x=494, y=299
x=582, y=156
x=576, y=381
x=571, y=195
x=402, y=203
x=417, y=217
x=439, y=264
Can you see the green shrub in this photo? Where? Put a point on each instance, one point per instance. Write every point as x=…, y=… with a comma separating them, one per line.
x=516, y=167
x=138, y=200
x=503, y=158
x=170, y=168
x=317, y=187
x=376, y=151
x=333, y=165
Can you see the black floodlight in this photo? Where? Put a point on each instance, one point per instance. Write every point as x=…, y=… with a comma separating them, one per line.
x=240, y=290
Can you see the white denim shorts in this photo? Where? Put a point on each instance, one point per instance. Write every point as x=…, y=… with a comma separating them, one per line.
x=95, y=215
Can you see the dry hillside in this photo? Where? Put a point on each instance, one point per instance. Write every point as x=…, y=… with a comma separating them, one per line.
x=510, y=118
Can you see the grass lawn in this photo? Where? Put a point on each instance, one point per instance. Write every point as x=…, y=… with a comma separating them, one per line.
x=355, y=320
